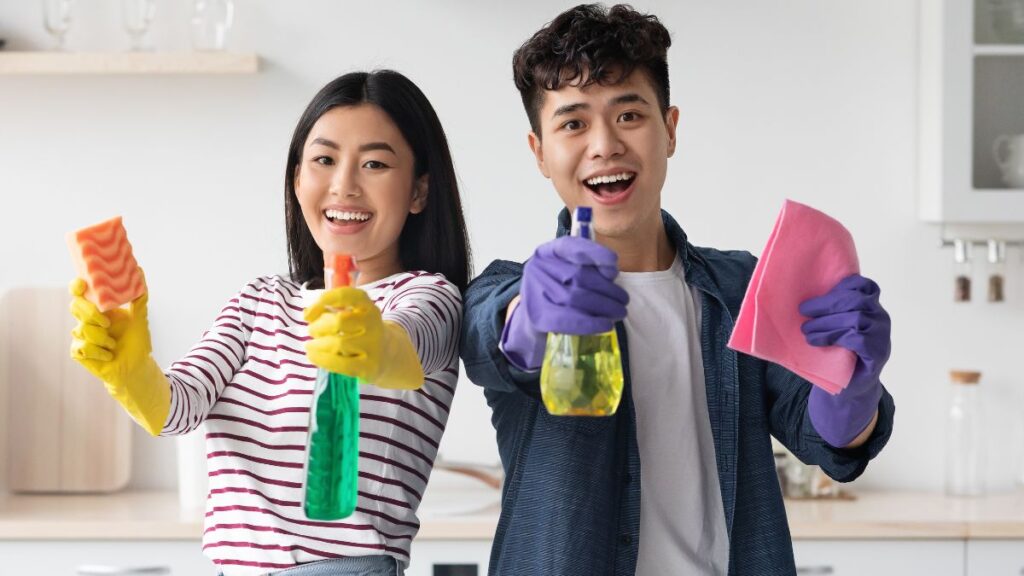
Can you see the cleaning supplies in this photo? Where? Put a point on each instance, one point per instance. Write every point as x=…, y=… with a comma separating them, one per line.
x=582, y=375
x=111, y=341
x=103, y=258
x=807, y=254
x=115, y=346
x=332, y=453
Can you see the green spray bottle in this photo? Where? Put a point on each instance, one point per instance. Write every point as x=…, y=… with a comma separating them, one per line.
x=582, y=375
x=332, y=453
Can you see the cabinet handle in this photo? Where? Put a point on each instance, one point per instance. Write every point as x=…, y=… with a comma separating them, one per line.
x=815, y=570
x=115, y=571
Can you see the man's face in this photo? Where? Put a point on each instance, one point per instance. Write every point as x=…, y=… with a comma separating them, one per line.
x=607, y=147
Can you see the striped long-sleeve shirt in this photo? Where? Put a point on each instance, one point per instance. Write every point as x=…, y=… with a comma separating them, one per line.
x=249, y=380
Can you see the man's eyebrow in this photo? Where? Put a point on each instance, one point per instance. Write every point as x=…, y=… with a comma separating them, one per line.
x=628, y=99
x=569, y=109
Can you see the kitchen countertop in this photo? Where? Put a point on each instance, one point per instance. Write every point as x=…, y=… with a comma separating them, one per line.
x=873, y=515
x=908, y=515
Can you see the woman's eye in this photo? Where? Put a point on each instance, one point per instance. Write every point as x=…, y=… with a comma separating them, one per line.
x=374, y=165
x=324, y=160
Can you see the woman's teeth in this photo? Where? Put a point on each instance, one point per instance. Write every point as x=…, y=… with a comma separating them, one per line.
x=343, y=216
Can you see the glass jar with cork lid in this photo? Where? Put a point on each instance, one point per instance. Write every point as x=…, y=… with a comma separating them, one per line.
x=965, y=436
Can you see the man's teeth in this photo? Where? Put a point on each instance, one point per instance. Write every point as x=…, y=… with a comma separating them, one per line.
x=609, y=179
x=348, y=216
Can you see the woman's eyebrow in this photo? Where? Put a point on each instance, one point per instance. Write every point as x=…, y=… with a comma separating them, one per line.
x=368, y=147
x=371, y=146
x=325, y=142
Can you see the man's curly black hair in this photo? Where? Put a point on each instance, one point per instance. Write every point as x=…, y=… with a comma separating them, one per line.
x=589, y=44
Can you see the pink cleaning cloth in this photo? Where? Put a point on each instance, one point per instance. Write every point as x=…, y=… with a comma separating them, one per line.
x=808, y=253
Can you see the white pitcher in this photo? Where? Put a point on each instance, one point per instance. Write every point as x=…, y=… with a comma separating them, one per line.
x=1009, y=155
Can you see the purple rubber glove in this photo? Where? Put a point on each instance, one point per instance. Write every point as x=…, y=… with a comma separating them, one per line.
x=567, y=288
x=849, y=316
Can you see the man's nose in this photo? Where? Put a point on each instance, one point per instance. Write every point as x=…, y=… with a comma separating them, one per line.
x=605, y=141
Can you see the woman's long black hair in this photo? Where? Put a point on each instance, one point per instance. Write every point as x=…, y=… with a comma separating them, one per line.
x=435, y=240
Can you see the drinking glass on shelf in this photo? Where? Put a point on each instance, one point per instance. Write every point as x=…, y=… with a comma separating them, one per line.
x=211, y=21
x=138, y=14
x=57, y=19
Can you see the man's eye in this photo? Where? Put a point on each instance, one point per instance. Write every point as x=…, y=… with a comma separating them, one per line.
x=374, y=165
x=572, y=125
x=324, y=160
x=629, y=116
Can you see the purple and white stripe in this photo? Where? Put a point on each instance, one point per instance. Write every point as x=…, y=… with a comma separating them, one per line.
x=249, y=380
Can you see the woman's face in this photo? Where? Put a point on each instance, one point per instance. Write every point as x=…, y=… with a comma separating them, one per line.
x=356, y=185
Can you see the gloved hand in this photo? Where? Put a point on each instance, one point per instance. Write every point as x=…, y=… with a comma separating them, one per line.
x=351, y=337
x=849, y=316
x=115, y=347
x=567, y=288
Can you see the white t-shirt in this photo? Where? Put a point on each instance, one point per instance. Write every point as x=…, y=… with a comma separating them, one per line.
x=682, y=520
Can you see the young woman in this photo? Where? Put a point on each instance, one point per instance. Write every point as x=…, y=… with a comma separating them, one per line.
x=369, y=174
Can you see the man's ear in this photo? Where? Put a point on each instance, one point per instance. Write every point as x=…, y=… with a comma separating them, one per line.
x=420, y=191
x=671, y=122
x=538, y=152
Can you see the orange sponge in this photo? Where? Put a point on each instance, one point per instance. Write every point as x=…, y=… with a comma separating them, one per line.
x=103, y=258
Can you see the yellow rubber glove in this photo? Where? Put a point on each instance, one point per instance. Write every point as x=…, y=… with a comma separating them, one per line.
x=351, y=337
x=115, y=347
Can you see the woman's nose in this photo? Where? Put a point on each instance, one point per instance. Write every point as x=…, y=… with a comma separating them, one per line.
x=345, y=184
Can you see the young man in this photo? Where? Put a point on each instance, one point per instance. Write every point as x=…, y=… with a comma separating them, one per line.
x=681, y=479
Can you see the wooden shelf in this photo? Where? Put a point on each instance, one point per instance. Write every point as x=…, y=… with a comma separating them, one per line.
x=999, y=49
x=42, y=63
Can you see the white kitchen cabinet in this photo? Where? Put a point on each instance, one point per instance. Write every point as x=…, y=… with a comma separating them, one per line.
x=995, y=557
x=879, y=557
x=970, y=86
x=449, y=558
x=470, y=557
x=185, y=558
x=65, y=557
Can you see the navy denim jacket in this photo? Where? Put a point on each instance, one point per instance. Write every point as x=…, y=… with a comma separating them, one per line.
x=571, y=499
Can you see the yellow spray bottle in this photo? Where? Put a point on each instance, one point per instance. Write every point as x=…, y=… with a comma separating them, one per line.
x=582, y=375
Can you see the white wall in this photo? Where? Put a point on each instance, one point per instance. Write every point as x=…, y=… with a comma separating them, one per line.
x=799, y=98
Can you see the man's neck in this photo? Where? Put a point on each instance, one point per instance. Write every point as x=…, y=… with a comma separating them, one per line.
x=650, y=250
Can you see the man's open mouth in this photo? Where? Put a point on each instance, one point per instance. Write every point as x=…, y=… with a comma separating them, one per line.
x=611, y=184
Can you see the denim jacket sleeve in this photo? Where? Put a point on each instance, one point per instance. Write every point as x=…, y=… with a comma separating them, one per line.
x=484, y=306
x=791, y=425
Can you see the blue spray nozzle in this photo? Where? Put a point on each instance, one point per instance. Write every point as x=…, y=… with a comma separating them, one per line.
x=581, y=222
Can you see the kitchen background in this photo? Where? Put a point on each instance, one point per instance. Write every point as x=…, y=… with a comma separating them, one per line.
x=803, y=99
